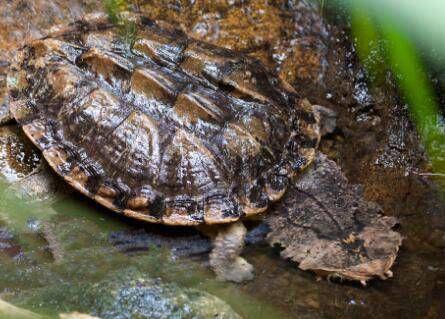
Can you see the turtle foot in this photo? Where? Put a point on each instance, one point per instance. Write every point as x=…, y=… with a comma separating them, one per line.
x=224, y=258
x=238, y=271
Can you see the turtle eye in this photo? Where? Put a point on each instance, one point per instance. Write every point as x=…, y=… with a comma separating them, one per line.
x=274, y=81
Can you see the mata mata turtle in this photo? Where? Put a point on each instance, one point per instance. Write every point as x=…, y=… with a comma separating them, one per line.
x=168, y=129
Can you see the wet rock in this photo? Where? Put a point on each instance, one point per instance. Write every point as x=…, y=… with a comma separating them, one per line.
x=326, y=226
x=361, y=93
x=131, y=294
x=41, y=185
x=304, y=63
x=18, y=157
x=153, y=299
x=398, y=151
x=29, y=178
x=93, y=278
x=278, y=32
x=243, y=28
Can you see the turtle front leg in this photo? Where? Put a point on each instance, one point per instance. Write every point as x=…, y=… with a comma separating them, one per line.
x=225, y=257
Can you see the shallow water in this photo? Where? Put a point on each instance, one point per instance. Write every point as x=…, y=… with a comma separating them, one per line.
x=375, y=144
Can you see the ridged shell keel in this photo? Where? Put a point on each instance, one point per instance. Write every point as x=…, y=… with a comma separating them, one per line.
x=173, y=130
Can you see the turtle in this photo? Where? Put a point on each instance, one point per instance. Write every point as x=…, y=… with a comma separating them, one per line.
x=165, y=128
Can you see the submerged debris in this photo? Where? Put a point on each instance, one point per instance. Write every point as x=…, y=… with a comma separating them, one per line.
x=189, y=244
x=326, y=226
x=8, y=245
x=141, y=240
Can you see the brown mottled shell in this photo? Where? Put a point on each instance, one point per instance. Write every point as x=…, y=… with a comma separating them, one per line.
x=173, y=130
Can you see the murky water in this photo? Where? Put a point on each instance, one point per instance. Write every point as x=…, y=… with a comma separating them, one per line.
x=55, y=255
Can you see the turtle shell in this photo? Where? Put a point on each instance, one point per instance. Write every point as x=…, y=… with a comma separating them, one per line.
x=168, y=129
